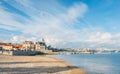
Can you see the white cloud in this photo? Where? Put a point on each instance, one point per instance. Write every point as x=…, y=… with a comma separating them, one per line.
x=17, y=39
x=78, y=10
x=54, y=22
x=57, y=29
x=20, y=39
x=100, y=37
x=104, y=39
x=8, y=21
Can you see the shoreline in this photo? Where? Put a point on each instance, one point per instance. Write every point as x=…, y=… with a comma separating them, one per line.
x=77, y=70
x=36, y=65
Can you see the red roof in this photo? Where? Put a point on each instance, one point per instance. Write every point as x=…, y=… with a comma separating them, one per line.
x=8, y=44
x=2, y=43
x=18, y=46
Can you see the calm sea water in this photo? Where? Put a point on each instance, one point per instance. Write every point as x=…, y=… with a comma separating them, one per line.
x=94, y=63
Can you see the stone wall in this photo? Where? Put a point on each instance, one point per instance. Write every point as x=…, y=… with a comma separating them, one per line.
x=18, y=52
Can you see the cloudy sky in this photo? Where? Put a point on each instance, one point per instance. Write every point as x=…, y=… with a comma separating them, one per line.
x=62, y=23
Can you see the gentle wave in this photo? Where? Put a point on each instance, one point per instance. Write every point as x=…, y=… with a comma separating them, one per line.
x=95, y=63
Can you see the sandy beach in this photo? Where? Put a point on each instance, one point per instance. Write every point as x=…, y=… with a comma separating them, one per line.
x=36, y=65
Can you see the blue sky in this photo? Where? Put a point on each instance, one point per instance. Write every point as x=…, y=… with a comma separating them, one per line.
x=62, y=23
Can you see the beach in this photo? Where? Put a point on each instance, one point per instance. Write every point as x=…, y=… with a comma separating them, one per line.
x=36, y=65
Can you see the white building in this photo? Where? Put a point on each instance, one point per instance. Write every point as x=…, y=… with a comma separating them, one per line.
x=40, y=46
x=28, y=45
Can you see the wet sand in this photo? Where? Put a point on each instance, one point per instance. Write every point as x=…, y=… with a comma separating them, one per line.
x=36, y=65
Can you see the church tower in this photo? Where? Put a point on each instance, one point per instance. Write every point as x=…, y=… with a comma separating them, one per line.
x=43, y=40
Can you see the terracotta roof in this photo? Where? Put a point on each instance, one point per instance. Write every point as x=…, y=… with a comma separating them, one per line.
x=18, y=46
x=8, y=44
x=2, y=43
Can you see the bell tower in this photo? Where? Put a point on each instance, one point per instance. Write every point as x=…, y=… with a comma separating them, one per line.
x=43, y=40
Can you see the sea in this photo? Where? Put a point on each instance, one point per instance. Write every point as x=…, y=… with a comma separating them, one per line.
x=104, y=63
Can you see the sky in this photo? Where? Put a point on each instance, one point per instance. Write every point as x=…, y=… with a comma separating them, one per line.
x=62, y=23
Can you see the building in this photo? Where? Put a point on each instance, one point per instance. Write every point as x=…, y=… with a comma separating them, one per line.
x=17, y=47
x=8, y=46
x=28, y=45
x=40, y=46
x=1, y=45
